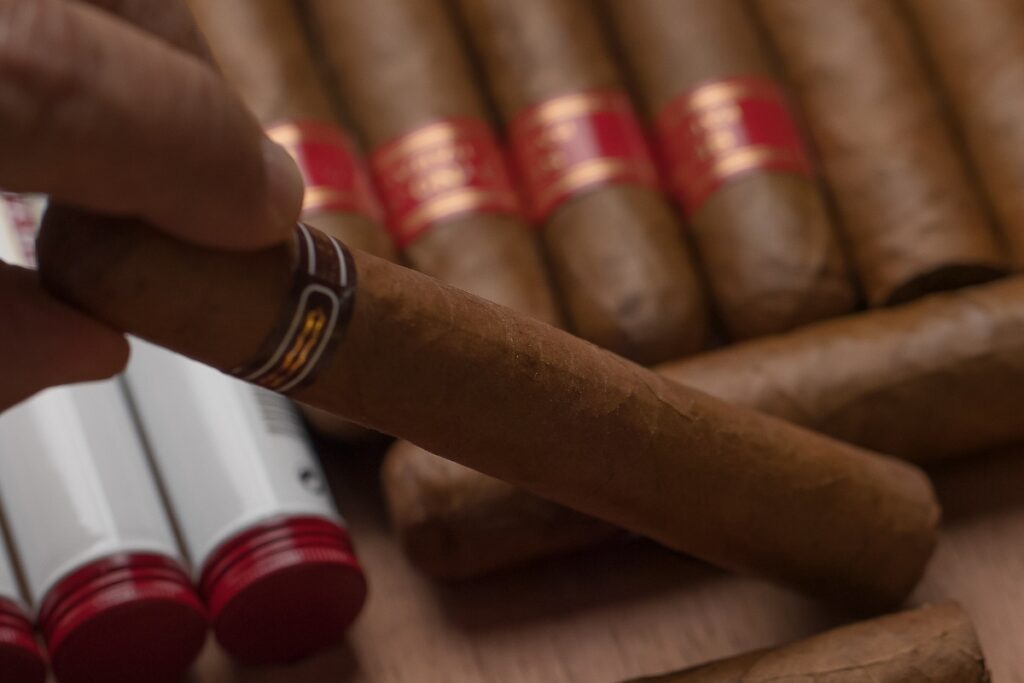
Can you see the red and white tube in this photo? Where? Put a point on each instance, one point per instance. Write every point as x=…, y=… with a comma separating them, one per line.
x=100, y=559
x=275, y=562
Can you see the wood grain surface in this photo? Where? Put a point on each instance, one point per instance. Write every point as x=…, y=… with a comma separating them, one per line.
x=633, y=608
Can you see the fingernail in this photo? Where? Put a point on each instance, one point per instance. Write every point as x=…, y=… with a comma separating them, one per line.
x=284, y=187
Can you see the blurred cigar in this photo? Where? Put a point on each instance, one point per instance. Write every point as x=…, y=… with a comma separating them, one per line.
x=513, y=397
x=929, y=644
x=261, y=48
x=616, y=251
x=736, y=162
x=406, y=81
x=911, y=216
x=977, y=48
x=892, y=380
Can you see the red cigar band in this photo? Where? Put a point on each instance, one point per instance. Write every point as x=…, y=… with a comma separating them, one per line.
x=441, y=170
x=314, y=318
x=335, y=179
x=721, y=130
x=577, y=142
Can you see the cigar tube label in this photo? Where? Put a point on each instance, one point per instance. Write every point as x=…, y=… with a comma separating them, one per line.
x=439, y=171
x=319, y=307
x=335, y=179
x=724, y=129
x=576, y=142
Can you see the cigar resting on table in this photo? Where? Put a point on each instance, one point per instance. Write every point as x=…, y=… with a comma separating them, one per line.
x=978, y=55
x=263, y=52
x=931, y=644
x=736, y=161
x=615, y=247
x=911, y=215
x=500, y=392
x=893, y=380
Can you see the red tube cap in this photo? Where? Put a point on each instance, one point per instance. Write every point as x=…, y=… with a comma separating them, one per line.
x=20, y=659
x=283, y=590
x=123, y=619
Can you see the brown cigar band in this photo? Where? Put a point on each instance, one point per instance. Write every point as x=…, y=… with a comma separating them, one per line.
x=317, y=311
x=335, y=178
x=576, y=142
x=723, y=129
x=438, y=171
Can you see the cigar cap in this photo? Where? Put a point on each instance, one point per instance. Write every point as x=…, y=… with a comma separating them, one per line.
x=20, y=658
x=123, y=618
x=283, y=590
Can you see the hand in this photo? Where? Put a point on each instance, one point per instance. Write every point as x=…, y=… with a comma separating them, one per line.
x=113, y=106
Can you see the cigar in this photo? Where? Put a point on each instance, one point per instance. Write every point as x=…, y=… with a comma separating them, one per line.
x=625, y=275
x=978, y=56
x=263, y=52
x=452, y=210
x=503, y=393
x=911, y=216
x=892, y=380
x=736, y=162
x=932, y=643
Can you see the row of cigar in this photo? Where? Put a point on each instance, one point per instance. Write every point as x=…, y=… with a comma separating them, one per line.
x=909, y=209
x=83, y=470
x=497, y=390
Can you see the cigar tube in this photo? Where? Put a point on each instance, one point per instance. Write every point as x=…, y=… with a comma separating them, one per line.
x=735, y=162
x=978, y=55
x=262, y=51
x=625, y=274
x=276, y=566
x=20, y=658
x=413, y=357
x=911, y=217
x=931, y=643
x=103, y=570
x=897, y=382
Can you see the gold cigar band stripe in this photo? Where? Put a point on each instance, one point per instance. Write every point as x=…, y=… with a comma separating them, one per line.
x=318, y=309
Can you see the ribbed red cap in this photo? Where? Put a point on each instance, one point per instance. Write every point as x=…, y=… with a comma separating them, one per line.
x=20, y=659
x=283, y=590
x=123, y=619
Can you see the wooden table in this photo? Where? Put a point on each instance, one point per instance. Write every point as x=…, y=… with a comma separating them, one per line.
x=634, y=608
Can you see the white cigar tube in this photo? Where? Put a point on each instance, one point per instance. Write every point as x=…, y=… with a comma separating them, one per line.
x=102, y=567
x=273, y=556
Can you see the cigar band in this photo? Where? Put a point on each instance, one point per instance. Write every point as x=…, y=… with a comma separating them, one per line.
x=724, y=129
x=317, y=310
x=335, y=179
x=439, y=171
x=575, y=143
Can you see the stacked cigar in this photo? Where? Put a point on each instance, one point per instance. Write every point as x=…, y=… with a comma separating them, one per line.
x=655, y=176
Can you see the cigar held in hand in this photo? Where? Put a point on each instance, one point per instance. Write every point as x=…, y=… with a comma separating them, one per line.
x=494, y=390
x=893, y=380
x=931, y=644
